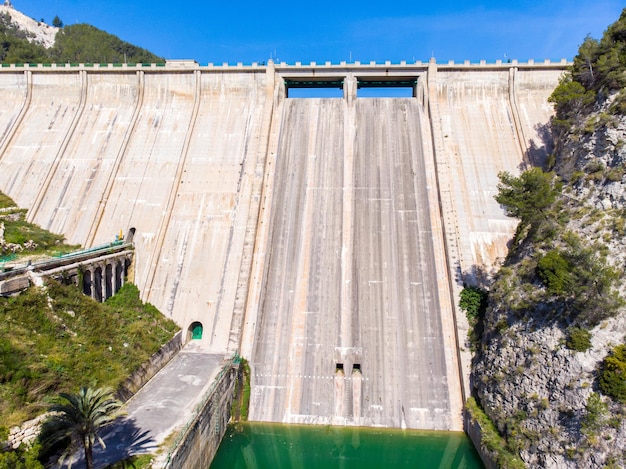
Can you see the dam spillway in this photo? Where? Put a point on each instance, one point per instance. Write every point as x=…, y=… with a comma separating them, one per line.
x=351, y=308
x=323, y=239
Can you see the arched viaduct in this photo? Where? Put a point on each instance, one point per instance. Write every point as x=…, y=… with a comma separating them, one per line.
x=323, y=239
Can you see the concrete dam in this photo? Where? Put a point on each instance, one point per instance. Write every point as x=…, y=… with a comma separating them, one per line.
x=323, y=239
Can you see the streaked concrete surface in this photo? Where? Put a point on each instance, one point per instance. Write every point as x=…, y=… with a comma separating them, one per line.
x=357, y=338
x=325, y=240
x=79, y=180
x=13, y=93
x=482, y=124
x=206, y=243
x=36, y=143
x=483, y=127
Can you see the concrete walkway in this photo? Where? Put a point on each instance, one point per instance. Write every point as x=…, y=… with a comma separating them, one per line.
x=165, y=404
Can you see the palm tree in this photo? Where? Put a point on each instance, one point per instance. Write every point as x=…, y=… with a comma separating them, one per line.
x=76, y=423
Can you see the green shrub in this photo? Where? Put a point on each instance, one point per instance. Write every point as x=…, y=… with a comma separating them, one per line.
x=571, y=99
x=554, y=270
x=576, y=176
x=612, y=376
x=619, y=224
x=578, y=339
x=615, y=174
x=619, y=104
x=473, y=301
x=528, y=197
x=491, y=439
x=21, y=458
x=594, y=166
x=596, y=414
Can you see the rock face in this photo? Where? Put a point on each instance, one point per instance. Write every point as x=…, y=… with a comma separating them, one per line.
x=535, y=389
x=36, y=31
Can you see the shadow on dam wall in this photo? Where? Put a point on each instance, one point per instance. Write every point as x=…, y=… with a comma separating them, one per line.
x=324, y=239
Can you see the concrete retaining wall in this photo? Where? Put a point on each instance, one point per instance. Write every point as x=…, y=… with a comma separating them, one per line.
x=26, y=433
x=474, y=431
x=146, y=371
x=204, y=434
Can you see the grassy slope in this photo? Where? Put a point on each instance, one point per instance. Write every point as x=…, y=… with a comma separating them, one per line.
x=57, y=339
x=18, y=231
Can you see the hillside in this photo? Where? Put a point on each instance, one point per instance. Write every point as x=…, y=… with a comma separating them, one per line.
x=36, y=32
x=550, y=362
x=25, y=40
x=20, y=240
x=56, y=339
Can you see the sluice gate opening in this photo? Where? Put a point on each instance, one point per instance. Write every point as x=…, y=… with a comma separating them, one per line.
x=337, y=87
x=314, y=87
x=386, y=87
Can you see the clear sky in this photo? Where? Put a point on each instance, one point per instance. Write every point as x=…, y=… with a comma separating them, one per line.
x=254, y=31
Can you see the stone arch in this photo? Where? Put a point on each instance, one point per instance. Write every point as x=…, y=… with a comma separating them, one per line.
x=87, y=283
x=195, y=331
x=108, y=281
x=97, y=284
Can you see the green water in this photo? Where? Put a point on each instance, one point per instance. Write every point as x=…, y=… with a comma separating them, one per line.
x=275, y=446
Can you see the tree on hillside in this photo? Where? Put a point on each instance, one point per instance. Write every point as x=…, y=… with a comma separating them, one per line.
x=598, y=70
x=529, y=196
x=77, y=422
x=56, y=22
x=83, y=43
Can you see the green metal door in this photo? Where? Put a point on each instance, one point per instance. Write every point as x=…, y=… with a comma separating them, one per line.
x=196, y=332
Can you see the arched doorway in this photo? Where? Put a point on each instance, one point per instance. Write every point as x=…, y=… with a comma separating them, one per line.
x=196, y=330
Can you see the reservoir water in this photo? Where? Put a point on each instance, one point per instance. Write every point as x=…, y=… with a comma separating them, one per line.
x=276, y=446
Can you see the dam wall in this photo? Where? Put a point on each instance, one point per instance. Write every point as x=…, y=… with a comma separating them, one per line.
x=324, y=239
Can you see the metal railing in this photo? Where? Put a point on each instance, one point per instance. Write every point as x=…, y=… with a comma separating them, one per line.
x=66, y=258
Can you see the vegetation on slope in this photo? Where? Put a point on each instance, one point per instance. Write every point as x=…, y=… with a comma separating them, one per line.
x=241, y=400
x=19, y=238
x=78, y=43
x=57, y=339
x=15, y=46
x=596, y=75
x=83, y=43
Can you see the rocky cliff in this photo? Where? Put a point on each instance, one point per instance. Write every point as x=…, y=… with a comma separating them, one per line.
x=548, y=367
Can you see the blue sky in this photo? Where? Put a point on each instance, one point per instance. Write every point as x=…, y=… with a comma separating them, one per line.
x=254, y=31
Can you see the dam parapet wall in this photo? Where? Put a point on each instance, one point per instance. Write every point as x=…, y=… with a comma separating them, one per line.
x=186, y=65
